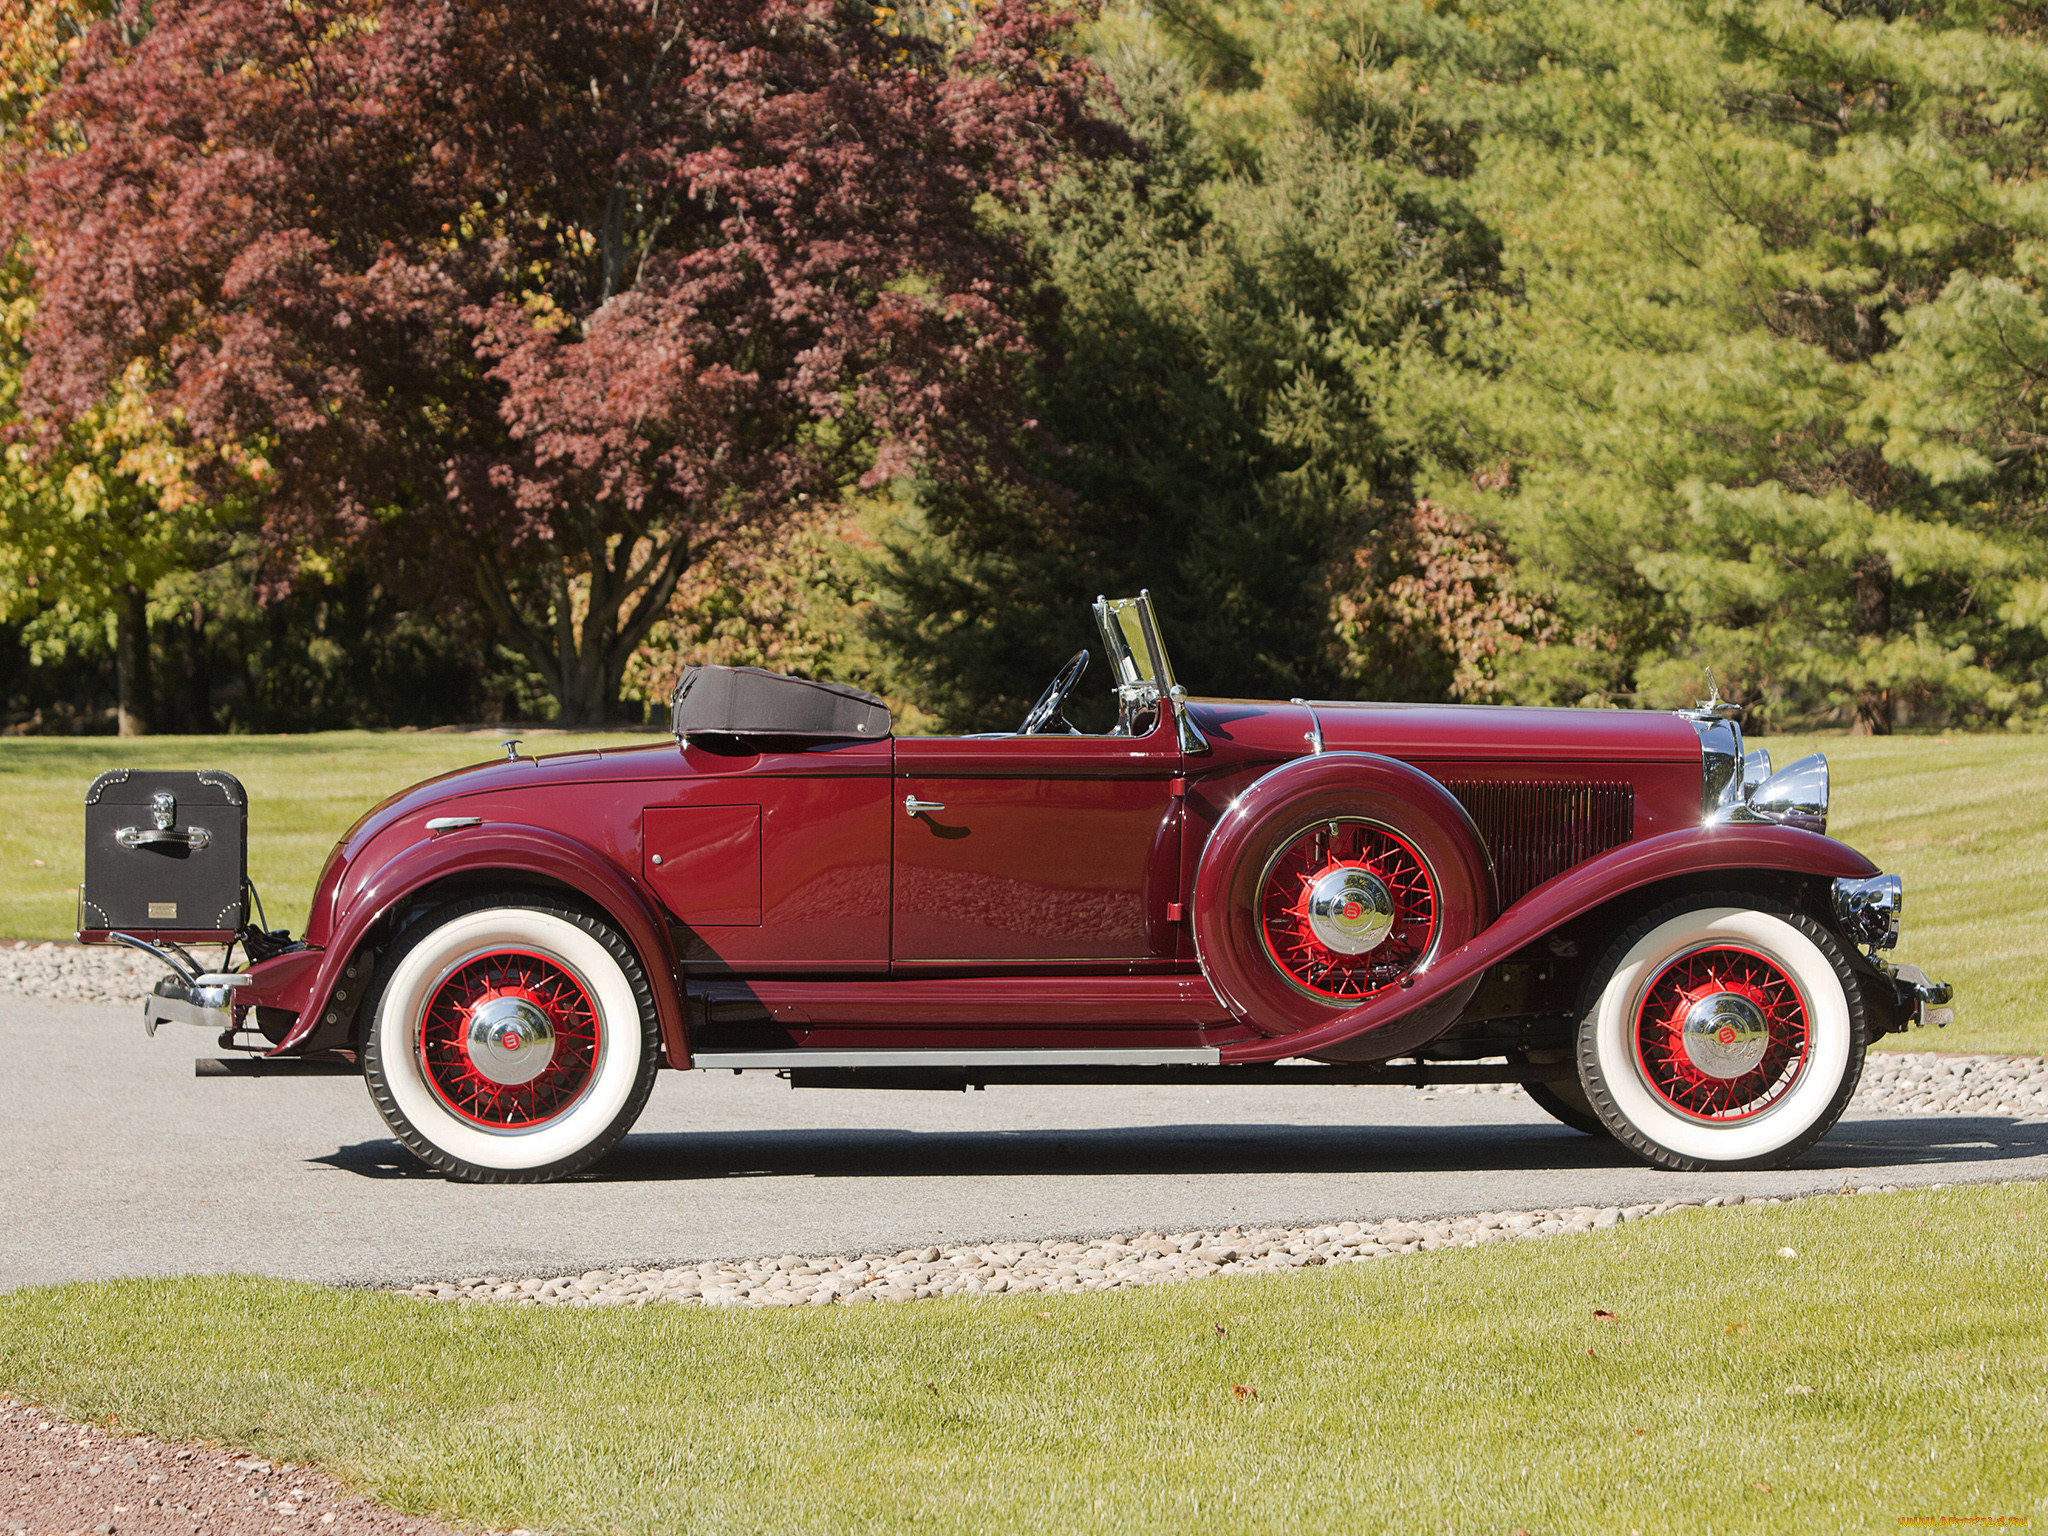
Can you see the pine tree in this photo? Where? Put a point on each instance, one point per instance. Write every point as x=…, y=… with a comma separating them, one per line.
x=1763, y=366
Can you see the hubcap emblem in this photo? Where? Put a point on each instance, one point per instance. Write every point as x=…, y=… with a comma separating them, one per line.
x=1725, y=1034
x=1350, y=910
x=509, y=1040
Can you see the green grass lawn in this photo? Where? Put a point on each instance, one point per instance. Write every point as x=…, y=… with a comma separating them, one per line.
x=304, y=792
x=1461, y=1391
x=1963, y=819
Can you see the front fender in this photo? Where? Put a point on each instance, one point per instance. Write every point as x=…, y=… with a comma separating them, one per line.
x=513, y=848
x=1691, y=850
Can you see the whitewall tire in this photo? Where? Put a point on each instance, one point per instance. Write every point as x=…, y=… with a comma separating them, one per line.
x=510, y=1041
x=1721, y=1031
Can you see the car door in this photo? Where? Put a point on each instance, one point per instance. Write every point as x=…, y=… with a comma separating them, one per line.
x=1036, y=851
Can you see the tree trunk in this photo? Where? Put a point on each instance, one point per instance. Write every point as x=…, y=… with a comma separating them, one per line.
x=627, y=587
x=198, y=675
x=1874, y=619
x=131, y=661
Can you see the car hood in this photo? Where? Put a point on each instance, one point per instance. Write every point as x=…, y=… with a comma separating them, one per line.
x=1451, y=733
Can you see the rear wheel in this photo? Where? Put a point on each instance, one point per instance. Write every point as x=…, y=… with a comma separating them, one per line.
x=1721, y=1032
x=1565, y=1102
x=510, y=1042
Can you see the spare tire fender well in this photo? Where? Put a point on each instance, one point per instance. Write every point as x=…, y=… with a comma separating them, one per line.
x=1367, y=783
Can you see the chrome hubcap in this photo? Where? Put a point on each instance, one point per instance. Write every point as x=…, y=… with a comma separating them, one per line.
x=509, y=1040
x=1350, y=910
x=1725, y=1034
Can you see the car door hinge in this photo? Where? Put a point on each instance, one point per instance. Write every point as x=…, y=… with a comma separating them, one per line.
x=1175, y=912
x=1177, y=787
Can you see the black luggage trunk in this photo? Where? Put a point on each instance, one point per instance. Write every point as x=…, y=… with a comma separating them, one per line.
x=166, y=855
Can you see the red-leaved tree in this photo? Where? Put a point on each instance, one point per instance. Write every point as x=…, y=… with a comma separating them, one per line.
x=567, y=290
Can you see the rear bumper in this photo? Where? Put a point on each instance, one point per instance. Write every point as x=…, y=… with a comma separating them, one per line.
x=187, y=994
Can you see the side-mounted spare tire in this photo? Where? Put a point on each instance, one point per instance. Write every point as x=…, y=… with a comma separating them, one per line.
x=1334, y=880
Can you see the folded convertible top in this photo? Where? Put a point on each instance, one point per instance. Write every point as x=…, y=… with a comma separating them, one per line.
x=746, y=701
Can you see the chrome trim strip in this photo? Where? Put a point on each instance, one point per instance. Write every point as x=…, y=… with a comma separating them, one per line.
x=439, y=824
x=1133, y=1056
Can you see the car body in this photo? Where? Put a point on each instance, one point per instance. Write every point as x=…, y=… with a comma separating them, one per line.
x=1215, y=887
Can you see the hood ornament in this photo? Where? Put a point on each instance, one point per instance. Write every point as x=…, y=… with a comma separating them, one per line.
x=1713, y=706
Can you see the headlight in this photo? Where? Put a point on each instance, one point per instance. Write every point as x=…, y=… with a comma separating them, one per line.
x=1794, y=796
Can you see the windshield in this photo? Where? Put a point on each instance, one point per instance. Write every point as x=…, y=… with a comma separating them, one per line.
x=1144, y=676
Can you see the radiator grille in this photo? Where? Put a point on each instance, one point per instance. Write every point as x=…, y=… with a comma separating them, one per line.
x=1539, y=830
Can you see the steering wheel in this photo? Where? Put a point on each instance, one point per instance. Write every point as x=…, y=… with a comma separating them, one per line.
x=1050, y=702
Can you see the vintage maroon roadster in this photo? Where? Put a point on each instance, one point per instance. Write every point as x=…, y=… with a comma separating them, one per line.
x=1621, y=910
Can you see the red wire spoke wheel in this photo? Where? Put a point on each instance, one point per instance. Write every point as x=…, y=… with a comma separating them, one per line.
x=1328, y=887
x=509, y=1040
x=1721, y=1033
x=1721, y=1030
x=1346, y=909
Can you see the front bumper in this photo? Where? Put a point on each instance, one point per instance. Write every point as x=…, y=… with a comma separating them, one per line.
x=1929, y=1002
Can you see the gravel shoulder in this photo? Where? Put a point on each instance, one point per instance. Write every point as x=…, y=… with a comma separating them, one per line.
x=1050, y=1267
x=58, y=1476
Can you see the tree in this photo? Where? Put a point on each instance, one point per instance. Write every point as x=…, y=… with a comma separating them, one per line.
x=1233, y=314
x=1758, y=376
x=109, y=506
x=564, y=295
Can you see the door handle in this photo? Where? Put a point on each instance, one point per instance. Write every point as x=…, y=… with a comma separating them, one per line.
x=912, y=806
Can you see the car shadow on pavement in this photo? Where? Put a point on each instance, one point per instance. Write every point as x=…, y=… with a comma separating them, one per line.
x=1210, y=1149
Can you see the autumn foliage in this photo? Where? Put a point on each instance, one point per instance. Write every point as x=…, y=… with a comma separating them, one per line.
x=561, y=295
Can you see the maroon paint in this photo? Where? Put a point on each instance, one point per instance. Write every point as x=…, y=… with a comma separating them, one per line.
x=822, y=859
x=1467, y=733
x=990, y=1001
x=1055, y=825
x=1049, y=848
x=414, y=860
x=1543, y=909
x=704, y=862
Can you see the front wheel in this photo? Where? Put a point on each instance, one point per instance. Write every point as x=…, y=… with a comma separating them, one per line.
x=509, y=1041
x=1721, y=1032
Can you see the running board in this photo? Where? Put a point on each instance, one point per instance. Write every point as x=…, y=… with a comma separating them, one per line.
x=946, y=1072
x=784, y=1061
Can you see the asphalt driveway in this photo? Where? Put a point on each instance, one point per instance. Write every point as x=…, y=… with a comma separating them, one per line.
x=115, y=1160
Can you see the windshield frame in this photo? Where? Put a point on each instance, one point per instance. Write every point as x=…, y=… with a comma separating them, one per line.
x=1144, y=672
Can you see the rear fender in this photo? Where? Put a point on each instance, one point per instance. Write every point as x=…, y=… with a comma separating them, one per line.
x=1612, y=876
x=497, y=849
